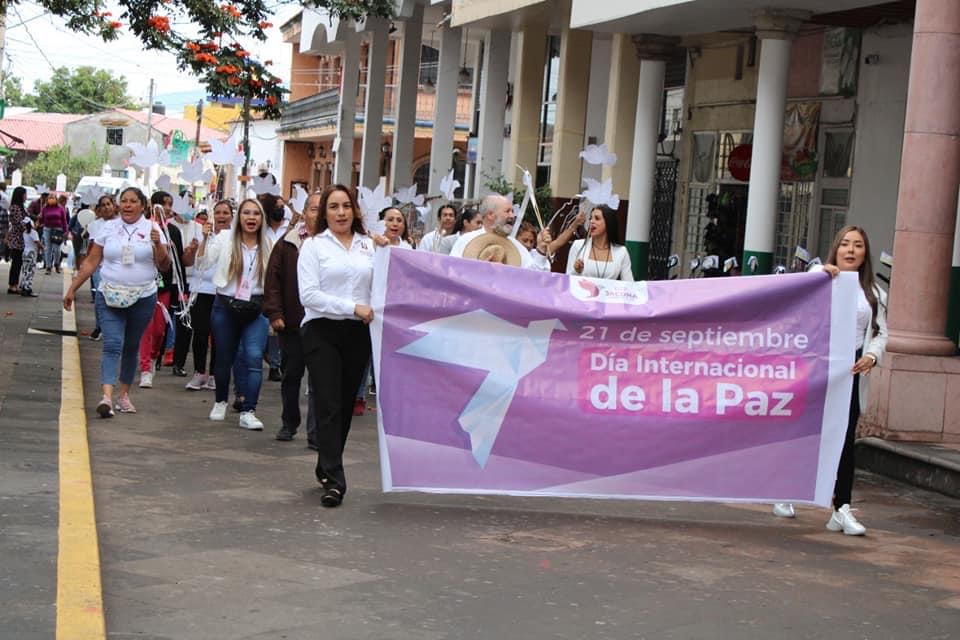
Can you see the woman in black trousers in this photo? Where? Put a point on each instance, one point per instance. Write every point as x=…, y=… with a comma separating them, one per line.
x=335, y=275
x=15, y=238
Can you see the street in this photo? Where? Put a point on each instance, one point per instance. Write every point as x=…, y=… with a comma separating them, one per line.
x=207, y=531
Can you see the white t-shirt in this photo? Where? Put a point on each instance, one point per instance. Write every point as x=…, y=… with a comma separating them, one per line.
x=249, y=272
x=114, y=236
x=275, y=235
x=30, y=241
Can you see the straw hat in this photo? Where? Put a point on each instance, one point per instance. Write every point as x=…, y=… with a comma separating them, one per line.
x=491, y=247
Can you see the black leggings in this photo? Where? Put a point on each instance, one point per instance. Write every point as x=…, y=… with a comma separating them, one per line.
x=16, y=263
x=843, y=491
x=200, y=319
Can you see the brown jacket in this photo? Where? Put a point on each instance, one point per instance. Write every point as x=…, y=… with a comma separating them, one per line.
x=281, y=292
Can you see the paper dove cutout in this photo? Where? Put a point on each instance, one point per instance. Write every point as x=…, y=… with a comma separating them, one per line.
x=145, y=156
x=598, y=154
x=266, y=184
x=181, y=204
x=448, y=185
x=886, y=259
x=299, y=199
x=42, y=188
x=372, y=202
x=91, y=195
x=695, y=263
x=225, y=153
x=424, y=212
x=813, y=263
x=600, y=193
x=711, y=262
x=801, y=254
x=780, y=270
x=164, y=183
x=194, y=172
x=752, y=263
x=731, y=263
x=673, y=261
x=409, y=196
x=480, y=340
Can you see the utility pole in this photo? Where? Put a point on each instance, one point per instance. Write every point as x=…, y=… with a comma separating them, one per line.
x=3, y=46
x=246, y=139
x=196, y=140
x=149, y=113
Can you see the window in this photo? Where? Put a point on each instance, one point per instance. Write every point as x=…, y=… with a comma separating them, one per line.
x=792, y=220
x=697, y=219
x=730, y=140
x=429, y=61
x=115, y=136
x=548, y=114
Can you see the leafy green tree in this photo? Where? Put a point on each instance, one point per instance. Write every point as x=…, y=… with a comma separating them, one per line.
x=203, y=34
x=82, y=90
x=55, y=160
x=13, y=90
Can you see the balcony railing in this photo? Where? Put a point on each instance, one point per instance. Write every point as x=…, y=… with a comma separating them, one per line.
x=317, y=110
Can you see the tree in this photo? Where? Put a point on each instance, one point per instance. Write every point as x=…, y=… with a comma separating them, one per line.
x=57, y=159
x=13, y=90
x=203, y=35
x=83, y=90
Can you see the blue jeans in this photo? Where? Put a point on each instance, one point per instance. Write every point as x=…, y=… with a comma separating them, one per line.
x=231, y=332
x=51, y=252
x=273, y=352
x=122, y=330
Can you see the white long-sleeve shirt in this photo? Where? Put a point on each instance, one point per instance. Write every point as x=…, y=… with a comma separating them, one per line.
x=617, y=268
x=332, y=279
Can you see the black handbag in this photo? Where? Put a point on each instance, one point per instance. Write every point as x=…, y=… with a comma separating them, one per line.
x=56, y=236
x=245, y=310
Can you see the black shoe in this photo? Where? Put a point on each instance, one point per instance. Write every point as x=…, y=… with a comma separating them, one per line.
x=95, y=334
x=284, y=436
x=179, y=372
x=331, y=498
x=274, y=375
x=28, y=293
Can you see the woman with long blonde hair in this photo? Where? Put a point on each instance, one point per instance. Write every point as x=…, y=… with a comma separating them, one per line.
x=240, y=258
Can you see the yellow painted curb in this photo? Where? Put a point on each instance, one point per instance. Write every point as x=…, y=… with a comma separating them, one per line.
x=79, y=592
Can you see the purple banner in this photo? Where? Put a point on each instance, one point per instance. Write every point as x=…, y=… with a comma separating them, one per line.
x=493, y=379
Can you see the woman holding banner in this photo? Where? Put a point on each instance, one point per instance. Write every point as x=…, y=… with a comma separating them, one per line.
x=335, y=275
x=851, y=252
x=601, y=254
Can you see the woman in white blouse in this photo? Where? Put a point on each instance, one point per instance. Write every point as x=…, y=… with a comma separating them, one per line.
x=335, y=274
x=129, y=249
x=601, y=254
x=240, y=256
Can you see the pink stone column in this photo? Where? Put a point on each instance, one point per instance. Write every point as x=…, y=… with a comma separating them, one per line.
x=929, y=175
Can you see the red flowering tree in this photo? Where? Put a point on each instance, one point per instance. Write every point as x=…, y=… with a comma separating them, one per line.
x=204, y=36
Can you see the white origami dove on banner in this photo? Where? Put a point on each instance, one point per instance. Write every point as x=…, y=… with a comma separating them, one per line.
x=409, y=196
x=372, y=202
x=600, y=193
x=225, y=153
x=448, y=185
x=299, y=199
x=598, y=154
x=194, y=172
x=265, y=184
x=480, y=340
x=145, y=156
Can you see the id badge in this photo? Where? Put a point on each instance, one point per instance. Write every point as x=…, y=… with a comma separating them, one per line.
x=243, y=291
x=126, y=254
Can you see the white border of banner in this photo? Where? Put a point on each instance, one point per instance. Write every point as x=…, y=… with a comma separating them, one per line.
x=378, y=300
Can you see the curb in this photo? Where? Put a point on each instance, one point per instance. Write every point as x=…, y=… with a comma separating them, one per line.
x=927, y=466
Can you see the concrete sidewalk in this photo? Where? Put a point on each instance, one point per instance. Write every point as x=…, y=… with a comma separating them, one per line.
x=208, y=531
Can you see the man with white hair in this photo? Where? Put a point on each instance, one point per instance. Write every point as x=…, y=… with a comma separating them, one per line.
x=498, y=218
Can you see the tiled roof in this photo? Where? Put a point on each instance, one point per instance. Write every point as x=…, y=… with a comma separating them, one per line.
x=39, y=131
x=168, y=125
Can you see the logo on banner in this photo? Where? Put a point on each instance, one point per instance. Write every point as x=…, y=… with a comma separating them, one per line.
x=480, y=340
x=608, y=291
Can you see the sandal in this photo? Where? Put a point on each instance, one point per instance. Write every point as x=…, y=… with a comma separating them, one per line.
x=331, y=498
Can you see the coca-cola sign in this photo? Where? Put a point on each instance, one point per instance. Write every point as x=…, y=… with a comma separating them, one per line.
x=738, y=162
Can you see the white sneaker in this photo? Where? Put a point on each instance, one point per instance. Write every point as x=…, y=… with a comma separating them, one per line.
x=219, y=411
x=844, y=520
x=211, y=383
x=249, y=420
x=196, y=382
x=146, y=380
x=784, y=510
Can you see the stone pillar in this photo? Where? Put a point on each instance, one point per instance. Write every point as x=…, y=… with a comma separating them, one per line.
x=527, y=101
x=370, y=153
x=401, y=168
x=776, y=30
x=571, y=123
x=653, y=52
x=493, y=98
x=621, y=110
x=445, y=106
x=346, y=119
x=929, y=175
